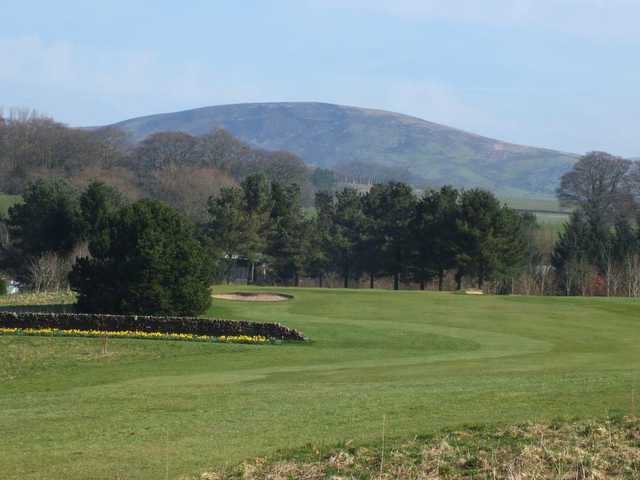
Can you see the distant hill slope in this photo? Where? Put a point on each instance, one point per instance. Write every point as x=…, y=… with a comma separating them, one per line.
x=344, y=137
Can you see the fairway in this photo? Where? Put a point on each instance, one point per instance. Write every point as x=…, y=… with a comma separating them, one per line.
x=155, y=409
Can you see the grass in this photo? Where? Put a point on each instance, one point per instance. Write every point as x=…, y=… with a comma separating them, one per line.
x=575, y=450
x=547, y=210
x=424, y=361
x=535, y=204
x=7, y=201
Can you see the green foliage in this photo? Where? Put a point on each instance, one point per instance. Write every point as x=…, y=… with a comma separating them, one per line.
x=150, y=262
x=436, y=234
x=288, y=233
x=3, y=286
x=385, y=231
x=227, y=225
x=492, y=237
x=49, y=218
x=389, y=209
x=348, y=224
x=99, y=203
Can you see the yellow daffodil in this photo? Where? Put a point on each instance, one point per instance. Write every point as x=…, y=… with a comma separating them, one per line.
x=256, y=339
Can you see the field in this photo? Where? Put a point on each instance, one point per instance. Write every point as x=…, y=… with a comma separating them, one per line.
x=7, y=201
x=423, y=361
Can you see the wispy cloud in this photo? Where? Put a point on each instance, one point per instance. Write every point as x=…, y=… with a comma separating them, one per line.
x=590, y=18
x=437, y=102
x=115, y=84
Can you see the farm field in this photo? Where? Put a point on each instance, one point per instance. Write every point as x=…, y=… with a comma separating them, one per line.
x=424, y=361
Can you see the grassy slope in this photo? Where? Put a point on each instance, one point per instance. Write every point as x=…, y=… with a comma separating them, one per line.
x=567, y=450
x=332, y=135
x=425, y=361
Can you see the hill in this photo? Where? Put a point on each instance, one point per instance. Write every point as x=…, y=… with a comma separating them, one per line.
x=365, y=142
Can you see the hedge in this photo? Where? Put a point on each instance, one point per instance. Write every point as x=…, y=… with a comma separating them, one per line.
x=189, y=325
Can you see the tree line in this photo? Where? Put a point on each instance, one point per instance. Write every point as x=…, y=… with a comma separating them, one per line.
x=387, y=231
x=444, y=238
x=598, y=251
x=180, y=169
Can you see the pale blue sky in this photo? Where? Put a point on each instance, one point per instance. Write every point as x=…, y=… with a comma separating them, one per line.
x=557, y=73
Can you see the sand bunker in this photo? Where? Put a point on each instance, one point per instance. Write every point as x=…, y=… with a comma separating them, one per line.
x=254, y=297
x=473, y=291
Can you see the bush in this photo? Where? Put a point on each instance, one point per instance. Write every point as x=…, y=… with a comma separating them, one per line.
x=3, y=287
x=189, y=325
x=147, y=261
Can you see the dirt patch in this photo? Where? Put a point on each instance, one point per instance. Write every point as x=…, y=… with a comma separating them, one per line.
x=254, y=297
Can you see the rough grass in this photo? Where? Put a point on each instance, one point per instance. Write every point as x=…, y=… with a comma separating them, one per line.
x=54, y=301
x=424, y=361
x=560, y=450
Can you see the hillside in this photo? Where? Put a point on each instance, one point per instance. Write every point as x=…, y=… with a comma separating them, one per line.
x=361, y=141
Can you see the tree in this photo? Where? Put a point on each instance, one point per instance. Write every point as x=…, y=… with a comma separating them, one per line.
x=98, y=205
x=152, y=263
x=166, y=149
x=347, y=225
x=257, y=210
x=435, y=234
x=227, y=224
x=187, y=189
x=492, y=237
x=239, y=222
x=600, y=185
x=317, y=258
x=48, y=220
x=570, y=256
x=287, y=233
x=389, y=209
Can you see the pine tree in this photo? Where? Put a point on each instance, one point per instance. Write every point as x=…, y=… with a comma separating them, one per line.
x=153, y=264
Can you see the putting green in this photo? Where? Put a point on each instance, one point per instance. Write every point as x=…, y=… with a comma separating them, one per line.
x=422, y=360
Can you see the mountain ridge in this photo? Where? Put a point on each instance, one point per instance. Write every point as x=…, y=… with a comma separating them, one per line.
x=355, y=139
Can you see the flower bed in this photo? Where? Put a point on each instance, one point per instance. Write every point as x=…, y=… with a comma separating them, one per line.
x=147, y=326
x=52, y=332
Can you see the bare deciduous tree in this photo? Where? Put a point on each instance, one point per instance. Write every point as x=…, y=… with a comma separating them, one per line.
x=600, y=185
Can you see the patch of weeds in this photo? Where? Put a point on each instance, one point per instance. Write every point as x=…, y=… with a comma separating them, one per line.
x=576, y=450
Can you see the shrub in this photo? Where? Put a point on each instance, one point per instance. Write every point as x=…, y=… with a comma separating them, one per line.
x=188, y=325
x=147, y=261
x=3, y=287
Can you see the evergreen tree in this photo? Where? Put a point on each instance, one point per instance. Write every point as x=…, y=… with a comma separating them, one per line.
x=48, y=220
x=435, y=234
x=152, y=263
x=287, y=235
x=98, y=205
x=389, y=209
x=492, y=237
x=318, y=261
x=348, y=224
x=571, y=257
x=227, y=225
x=256, y=227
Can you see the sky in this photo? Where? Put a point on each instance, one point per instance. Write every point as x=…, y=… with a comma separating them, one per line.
x=561, y=74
